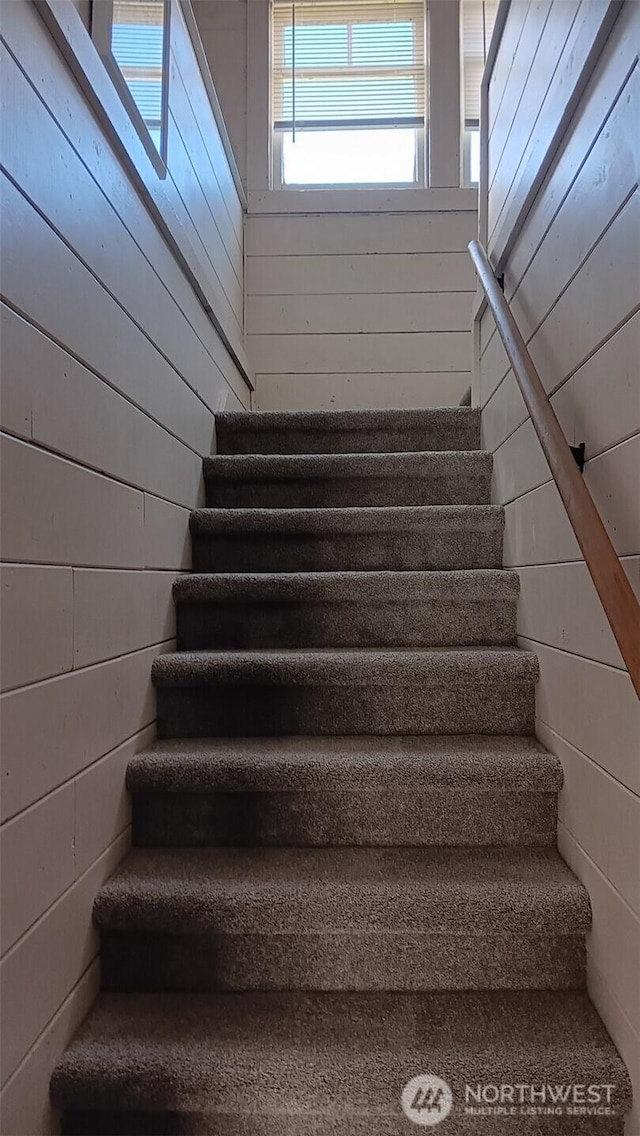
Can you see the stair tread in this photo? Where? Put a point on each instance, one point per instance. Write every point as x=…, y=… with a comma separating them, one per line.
x=346, y=666
x=352, y=763
x=372, y=519
x=428, y=463
x=478, y=584
x=326, y=1052
x=346, y=419
x=305, y=890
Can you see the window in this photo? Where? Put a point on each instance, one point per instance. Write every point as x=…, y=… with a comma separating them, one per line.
x=477, y=20
x=132, y=39
x=349, y=92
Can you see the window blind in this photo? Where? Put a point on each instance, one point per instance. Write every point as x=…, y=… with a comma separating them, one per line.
x=137, y=43
x=478, y=19
x=348, y=63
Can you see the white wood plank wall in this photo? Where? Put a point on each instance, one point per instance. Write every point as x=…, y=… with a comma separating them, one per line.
x=360, y=310
x=573, y=279
x=223, y=28
x=112, y=373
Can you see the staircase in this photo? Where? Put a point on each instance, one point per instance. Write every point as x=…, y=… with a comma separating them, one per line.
x=344, y=870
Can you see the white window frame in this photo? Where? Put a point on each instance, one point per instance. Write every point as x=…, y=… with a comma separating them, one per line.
x=420, y=180
x=101, y=29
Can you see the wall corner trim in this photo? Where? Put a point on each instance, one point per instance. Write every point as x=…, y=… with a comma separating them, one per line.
x=205, y=71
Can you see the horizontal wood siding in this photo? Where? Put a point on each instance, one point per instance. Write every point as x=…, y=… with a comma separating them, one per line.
x=223, y=28
x=112, y=374
x=572, y=276
x=360, y=310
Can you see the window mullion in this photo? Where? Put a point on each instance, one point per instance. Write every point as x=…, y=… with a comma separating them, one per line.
x=444, y=94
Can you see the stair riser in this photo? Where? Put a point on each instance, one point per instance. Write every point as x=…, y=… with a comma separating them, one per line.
x=344, y=492
x=343, y=552
x=312, y=819
x=254, y=625
x=346, y=442
x=107, y=1123
x=149, y=962
x=463, y=435
x=464, y=705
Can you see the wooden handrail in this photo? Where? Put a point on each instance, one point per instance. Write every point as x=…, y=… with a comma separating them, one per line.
x=616, y=594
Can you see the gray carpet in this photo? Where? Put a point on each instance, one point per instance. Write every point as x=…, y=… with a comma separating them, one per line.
x=344, y=870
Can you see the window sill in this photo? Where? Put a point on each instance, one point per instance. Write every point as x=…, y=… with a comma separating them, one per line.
x=385, y=199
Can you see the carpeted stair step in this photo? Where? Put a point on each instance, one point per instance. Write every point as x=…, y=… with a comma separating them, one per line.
x=104, y=1123
x=430, y=537
x=346, y=609
x=347, y=431
x=465, y=789
x=314, y=1064
x=268, y=693
x=303, y=481
x=342, y=919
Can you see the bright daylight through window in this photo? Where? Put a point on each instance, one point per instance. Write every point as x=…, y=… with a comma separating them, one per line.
x=477, y=19
x=349, y=92
x=132, y=38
